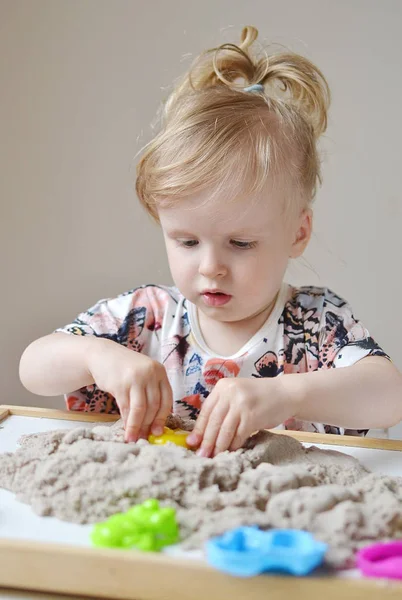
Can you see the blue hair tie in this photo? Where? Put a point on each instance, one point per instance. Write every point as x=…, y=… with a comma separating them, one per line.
x=256, y=87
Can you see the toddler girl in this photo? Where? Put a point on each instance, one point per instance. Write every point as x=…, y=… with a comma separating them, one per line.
x=230, y=178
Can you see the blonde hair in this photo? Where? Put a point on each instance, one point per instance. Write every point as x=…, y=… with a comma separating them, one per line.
x=215, y=133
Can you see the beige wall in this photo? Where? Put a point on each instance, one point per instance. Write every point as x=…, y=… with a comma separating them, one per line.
x=80, y=81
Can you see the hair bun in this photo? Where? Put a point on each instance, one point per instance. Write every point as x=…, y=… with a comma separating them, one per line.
x=286, y=76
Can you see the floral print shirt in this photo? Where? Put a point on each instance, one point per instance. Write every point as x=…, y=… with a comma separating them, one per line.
x=310, y=328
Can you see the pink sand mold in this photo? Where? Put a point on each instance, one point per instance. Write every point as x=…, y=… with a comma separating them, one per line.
x=381, y=560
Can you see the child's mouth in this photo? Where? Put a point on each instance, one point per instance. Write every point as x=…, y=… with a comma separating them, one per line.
x=215, y=298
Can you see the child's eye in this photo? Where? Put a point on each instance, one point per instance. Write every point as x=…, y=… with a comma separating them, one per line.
x=188, y=243
x=245, y=245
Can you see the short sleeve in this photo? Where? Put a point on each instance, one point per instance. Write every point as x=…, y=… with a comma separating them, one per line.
x=343, y=339
x=129, y=319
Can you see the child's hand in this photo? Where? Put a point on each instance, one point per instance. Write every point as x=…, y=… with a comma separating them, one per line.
x=236, y=408
x=139, y=384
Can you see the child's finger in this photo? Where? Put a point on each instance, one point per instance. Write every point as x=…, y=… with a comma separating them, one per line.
x=196, y=436
x=152, y=407
x=165, y=408
x=227, y=432
x=212, y=429
x=238, y=439
x=123, y=402
x=136, y=414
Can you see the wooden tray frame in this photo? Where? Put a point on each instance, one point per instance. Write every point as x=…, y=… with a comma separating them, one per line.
x=103, y=573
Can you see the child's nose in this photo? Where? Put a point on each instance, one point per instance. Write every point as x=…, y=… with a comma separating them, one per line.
x=211, y=266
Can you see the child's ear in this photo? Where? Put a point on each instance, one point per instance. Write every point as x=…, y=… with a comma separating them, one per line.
x=302, y=234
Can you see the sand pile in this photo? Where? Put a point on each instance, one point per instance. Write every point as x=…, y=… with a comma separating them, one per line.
x=87, y=474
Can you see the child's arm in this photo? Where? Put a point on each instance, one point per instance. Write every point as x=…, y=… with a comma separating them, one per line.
x=56, y=364
x=59, y=363
x=362, y=396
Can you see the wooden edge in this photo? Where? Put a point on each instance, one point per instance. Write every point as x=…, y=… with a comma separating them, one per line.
x=4, y=413
x=342, y=440
x=53, y=413
x=126, y=575
x=303, y=436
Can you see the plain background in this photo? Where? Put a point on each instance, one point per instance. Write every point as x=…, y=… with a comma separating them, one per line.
x=80, y=83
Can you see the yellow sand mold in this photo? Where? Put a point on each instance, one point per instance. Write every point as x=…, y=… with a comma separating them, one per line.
x=177, y=436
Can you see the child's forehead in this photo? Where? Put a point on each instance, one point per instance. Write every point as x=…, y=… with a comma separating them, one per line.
x=223, y=212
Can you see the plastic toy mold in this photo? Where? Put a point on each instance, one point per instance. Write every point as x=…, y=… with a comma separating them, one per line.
x=248, y=551
x=145, y=527
x=381, y=560
x=177, y=436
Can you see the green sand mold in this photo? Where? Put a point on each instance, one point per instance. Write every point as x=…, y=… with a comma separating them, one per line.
x=145, y=526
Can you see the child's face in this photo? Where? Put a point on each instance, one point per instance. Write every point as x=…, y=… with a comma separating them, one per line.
x=240, y=248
